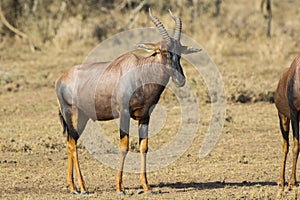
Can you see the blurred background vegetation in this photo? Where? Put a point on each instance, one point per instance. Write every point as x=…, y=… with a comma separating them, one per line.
x=46, y=21
x=250, y=41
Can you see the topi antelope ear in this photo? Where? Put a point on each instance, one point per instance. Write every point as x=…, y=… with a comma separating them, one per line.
x=148, y=47
x=188, y=50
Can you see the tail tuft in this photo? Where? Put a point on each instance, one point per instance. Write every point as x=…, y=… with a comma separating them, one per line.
x=68, y=131
x=63, y=122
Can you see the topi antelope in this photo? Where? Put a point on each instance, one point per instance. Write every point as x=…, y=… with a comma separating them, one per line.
x=287, y=101
x=129, y=86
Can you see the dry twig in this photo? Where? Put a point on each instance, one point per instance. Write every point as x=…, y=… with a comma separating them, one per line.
x=33, y=48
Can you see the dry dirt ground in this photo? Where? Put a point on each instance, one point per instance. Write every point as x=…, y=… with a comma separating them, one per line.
x=244, y=164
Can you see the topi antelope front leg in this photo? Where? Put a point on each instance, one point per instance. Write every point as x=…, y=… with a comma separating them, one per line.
x=124, y=147
x=143, y=142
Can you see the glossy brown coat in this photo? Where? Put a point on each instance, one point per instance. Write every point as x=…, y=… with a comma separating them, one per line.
x=287, y=101
x=129, y=86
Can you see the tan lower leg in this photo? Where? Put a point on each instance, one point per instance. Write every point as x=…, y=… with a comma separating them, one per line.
x=124, y=147
x=79, y=175
x=143, y=174
x=70, y=179
x=285, y=149
x=292, y=181
x=73, y=161
x=119, y=182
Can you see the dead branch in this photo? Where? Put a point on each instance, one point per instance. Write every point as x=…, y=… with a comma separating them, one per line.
x=267, y=5
x=133, y=14
x=217, y=7
x=33, y=48
x=121, y=5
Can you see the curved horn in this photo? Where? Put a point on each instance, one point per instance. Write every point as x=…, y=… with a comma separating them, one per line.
x=160, y=26
x=178, y=27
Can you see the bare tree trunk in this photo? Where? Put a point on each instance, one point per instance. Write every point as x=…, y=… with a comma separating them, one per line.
x=268, y=15
x=193, y=10
x=218, y=7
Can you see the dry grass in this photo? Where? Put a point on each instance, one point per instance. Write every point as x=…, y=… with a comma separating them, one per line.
x=244, y=164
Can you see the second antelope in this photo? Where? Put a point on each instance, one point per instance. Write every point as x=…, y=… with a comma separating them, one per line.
x=287, y=101
x=128, y=86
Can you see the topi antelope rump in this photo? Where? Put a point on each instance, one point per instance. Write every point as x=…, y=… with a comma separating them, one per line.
x=287, y=101
x=129, y=86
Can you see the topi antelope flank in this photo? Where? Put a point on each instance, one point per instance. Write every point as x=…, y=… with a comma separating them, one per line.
x=287, y=101
x=127, y=87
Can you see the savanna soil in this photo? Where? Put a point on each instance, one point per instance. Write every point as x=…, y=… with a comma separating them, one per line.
x=245, y=162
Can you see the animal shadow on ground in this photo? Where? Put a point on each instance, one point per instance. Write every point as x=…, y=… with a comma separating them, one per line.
x=185, y=187
x=211, y=185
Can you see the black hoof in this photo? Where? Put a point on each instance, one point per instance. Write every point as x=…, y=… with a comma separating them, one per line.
x=75, y=192
x=84, y=193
